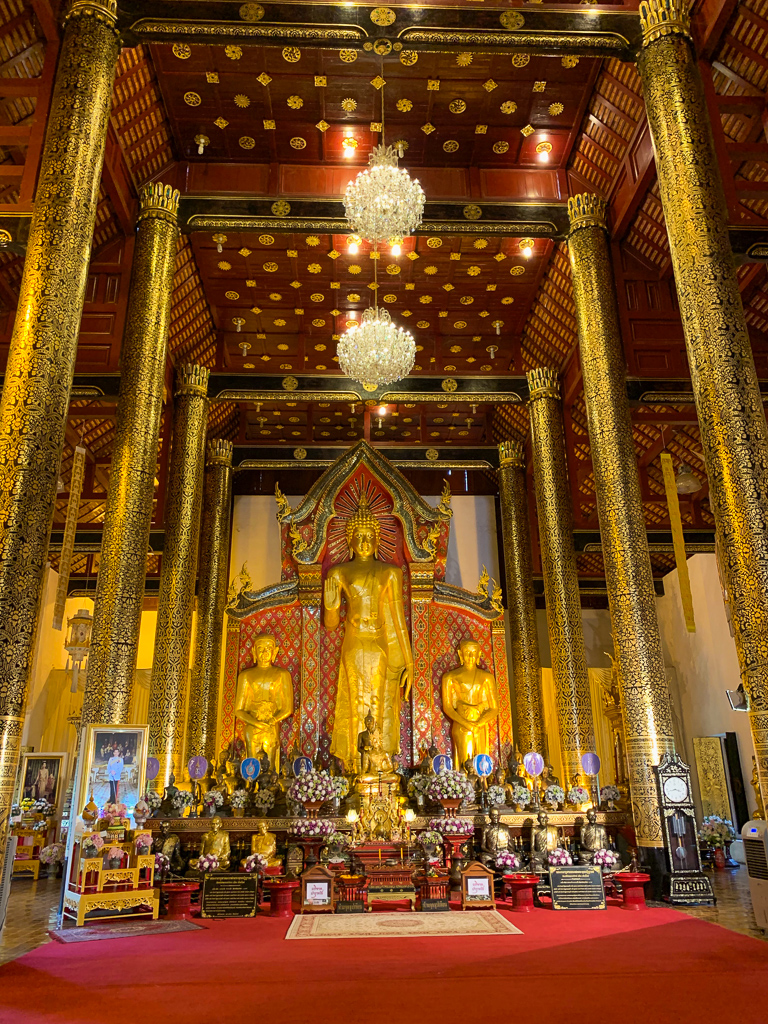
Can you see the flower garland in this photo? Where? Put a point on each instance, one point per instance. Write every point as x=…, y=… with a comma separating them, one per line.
x=311, y=787
x=554, y=795
x=605, y=858
x=310, y=828
x=496, y=795
x=450, y=785
x=455, y=826
x=559, y=858
x=716, y=830
x=430, y=837
x=521, y=796
x=239, y=798
x=53, y=854
x=577, y=795
x=505, y=859
x=610, y=793
x=207, y=862
x=255, y=863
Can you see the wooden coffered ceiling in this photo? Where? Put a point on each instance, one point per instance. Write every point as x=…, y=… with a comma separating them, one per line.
x=275, y=128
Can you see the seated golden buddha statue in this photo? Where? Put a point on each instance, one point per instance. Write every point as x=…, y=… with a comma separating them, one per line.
x=470, y=700
x=215, y=842
x=592, y=837
x=264, y=699
x=265, y=843
x=544, y=839
x=497, y=838
x=375, y=763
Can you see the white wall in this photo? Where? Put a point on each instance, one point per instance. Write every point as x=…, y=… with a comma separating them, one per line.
x=705, y=662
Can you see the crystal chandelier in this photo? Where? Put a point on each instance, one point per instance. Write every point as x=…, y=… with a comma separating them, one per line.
x=384, y=202
x=375, y=351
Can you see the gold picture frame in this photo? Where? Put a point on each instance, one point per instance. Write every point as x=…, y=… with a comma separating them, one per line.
x=43, y=776
x=113, y=762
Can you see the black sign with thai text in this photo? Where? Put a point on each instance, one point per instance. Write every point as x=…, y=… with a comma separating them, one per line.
x=227, y=895
x=579, y=887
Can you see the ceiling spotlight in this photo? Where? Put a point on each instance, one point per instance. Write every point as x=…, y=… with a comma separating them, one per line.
x=544, y=149
x=498, y=324
x=353, y=244
x=245, y=347
x=238, y=322
x=686, y=480
x=382, y=410
x=350, y=145
x=202, y=141
x=526, y=246
x=219, y=240
x=492, y=350
x=396, y=244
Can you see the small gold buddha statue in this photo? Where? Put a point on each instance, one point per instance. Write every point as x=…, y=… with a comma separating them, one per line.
x=470, y=700
x=375, y=763
x=592, y=837
x=264, y=699
x=496, y=837
x=544, y=839
x=215, y=842
x=265, y=843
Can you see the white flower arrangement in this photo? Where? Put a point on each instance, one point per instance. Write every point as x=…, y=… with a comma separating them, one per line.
x=605, y=858
x=610, y=793
x=496, y=795
x=578, y=795
x=264, y=800
x=311, y=787
x=153, y=800
x=717, y=831
x=340, y=786
x=255, y=863
x=311, y=828
x=417, y=785
x=450, y=785
x=430, y=837
x=559, y=858
x=554, y=795
x=53, y=854
x=213, y=799
x=452, y=826
x=521, y=796
x=340, y=841
x=182, y=799
x=239, y=798
x=207, y=862
x=507, y=861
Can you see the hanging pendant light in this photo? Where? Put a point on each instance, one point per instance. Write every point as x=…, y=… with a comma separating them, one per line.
x=375, y=351
x=384, y=201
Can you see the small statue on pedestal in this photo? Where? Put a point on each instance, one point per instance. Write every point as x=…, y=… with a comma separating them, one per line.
x=375, y=763
x=592, y=837
x=167, y=806
x=215, y=842
x=544, y=839
x=265, y=843
x=495, y=839
x=169, y=844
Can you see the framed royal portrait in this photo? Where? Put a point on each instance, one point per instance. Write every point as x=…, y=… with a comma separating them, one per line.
x=44, y=777
x=113, y=765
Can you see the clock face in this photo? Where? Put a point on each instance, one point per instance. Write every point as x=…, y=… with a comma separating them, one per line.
x=675, y=789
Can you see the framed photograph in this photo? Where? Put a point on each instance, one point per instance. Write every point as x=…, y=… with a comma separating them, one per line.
x=113, y=765
x=44, y=777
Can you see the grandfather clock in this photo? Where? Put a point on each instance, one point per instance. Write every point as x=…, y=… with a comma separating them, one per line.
x=685, y=883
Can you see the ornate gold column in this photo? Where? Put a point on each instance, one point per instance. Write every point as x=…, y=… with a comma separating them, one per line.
x=730, y=411
x=561, y=581
x=122, y=568
x=516, y=534
x=203, y=713
x=179, y=567
x=41, y=359
x=645, y=696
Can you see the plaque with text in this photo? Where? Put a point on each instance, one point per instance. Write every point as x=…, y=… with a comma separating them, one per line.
x=579, y=887
x=350, y=907
x=433, y=906
x=228, y=896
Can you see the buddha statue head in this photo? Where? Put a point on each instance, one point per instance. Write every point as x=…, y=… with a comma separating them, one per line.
x=363, y=531
x=469, y=653
x=216, y=823
x=591, y=816
x=494, y=815
x=543, y=819
x=265, y=650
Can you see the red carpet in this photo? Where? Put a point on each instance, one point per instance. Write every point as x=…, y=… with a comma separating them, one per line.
x=659, y=966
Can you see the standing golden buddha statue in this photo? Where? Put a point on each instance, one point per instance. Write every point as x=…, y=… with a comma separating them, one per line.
x=471, y=701
x=376, y=657
x=264, y=699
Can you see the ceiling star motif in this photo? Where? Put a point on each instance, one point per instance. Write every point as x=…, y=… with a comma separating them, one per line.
x=349, y=105
x=221, y=122
x=555, y=109
x=234, y=52
x=403, y=105
x=242, y=101
x=295, y=102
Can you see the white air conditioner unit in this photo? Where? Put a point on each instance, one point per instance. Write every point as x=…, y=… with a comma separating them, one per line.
x=5, y=877
x=755, y=836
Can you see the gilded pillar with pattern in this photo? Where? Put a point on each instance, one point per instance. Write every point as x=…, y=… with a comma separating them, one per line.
x=730, y=410
x=176, y=600
x=41, y=359
x=561, y=581
x=203, y=712
x=130, y=499
x=516, y=533
x=631, y=596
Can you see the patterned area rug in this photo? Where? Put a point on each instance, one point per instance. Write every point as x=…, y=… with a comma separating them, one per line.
x=388, y=926
x=88, y=933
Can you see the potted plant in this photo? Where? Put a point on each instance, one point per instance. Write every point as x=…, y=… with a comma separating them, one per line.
x=181, y=801
x=153, y=800
x=559, y=858
x=718, y=833
x=162, y=866
x=237, y=801
x=212, y=801
x=340, y=789
x=337, y=843
x=506, y=861
x=115, y=857
x=577, y=795
x=450, y=788
x=430, y=840
x=554, y=796
x=91, y=846
x=417, y=788
x=496, y=796
x=264, y=801
x=610, y=794
x=521, y=796
x=53, y=856
x=606, y=860
x=143, y=844
x=312, y=789
x=255, y=863
x=207, y=863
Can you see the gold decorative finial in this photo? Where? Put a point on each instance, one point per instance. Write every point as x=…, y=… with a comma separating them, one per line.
x=219, y=452
x=496, y=596
x=659, y=18
x=543, y=382
x=586, y=210
x=283, y=508
x=482, y=586
x=444, y=508
x=512, y=453
x=191, y=380
x=158, y=200
x=363, y=516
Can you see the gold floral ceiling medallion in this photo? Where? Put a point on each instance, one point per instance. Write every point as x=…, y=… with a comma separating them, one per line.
x=500, y=147
x=348, y=56
x=295, y=102
x=408, y=57
x=242, y=101
x=511, y=20
x=383, y=16
x=449, y=384
x=251, y=12
x=450, y=146
x=182, y=51
x=521, y=60
x=472, y=212
x=192, y=99
x=298, y=143
x=246, y=142
x=292, y=54
x=233, y=52
x=349, y=105
x=457, y=106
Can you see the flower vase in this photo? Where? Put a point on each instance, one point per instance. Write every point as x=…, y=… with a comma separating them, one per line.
x=210, y=810
x=115, y=862
x=313, y=806
x=450, y=807
x=238, y=812
x=719, y=859
x=611, y=805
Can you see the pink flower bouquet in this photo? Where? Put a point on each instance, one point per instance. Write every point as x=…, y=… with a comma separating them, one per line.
x=559, y=858
x=207, y=862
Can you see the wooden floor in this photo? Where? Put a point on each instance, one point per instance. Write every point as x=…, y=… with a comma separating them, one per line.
x=32, y=909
